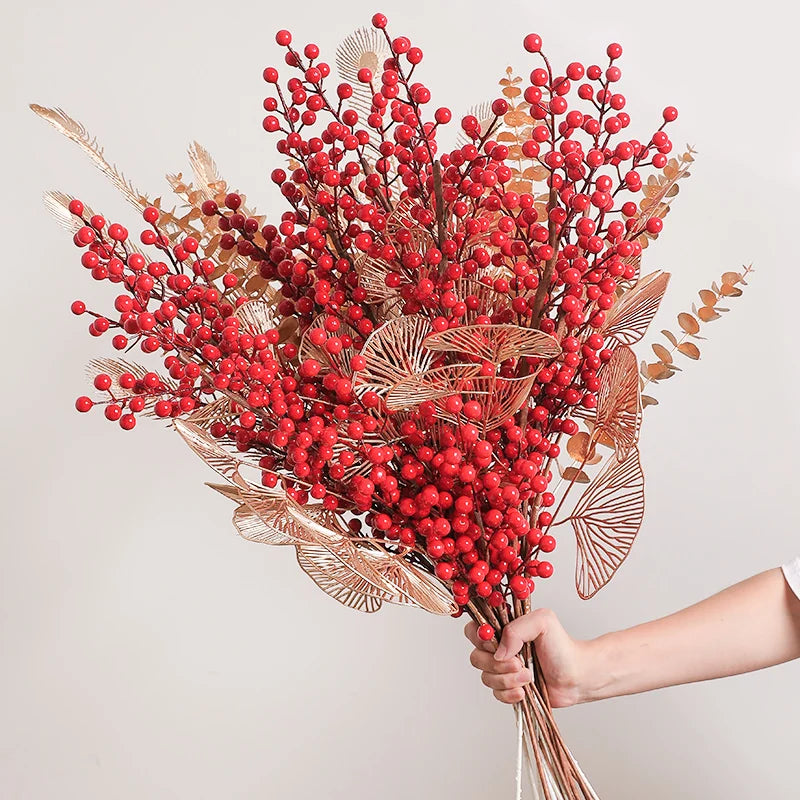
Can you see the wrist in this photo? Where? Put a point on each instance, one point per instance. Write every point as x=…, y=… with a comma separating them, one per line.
x=598, y=677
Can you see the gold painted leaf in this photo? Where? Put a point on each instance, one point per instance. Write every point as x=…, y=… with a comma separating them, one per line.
x=205, y=446
x=671, y=337
x=580, y=447
x=658, y=372
x=337, y=580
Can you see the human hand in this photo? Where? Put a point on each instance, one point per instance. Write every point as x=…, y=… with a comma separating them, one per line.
x=563, y=660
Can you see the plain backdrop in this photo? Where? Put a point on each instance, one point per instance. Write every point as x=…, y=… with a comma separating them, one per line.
x=148, y=652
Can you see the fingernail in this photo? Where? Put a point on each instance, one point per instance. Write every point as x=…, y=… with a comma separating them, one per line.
x=500, y=653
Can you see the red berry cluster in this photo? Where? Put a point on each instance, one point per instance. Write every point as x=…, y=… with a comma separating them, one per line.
x=381, y=227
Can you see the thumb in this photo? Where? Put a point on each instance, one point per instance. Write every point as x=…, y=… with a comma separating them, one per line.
x=523, y=629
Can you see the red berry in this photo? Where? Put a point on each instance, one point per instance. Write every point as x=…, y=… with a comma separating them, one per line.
x=83, y=404
x=486, y=633
x=547, y=543
x=532, y=43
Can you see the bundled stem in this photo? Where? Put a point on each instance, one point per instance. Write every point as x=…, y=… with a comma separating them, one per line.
x=554, y=772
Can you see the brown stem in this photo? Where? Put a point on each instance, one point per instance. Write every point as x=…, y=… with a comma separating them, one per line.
x=544, y=283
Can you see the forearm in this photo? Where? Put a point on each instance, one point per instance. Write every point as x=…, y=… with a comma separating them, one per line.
x=751, y=625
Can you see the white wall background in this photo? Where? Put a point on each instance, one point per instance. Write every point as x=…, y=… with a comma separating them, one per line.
x=149, y=653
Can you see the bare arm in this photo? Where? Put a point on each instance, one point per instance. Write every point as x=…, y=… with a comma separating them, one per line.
x=748, y=626
x=751, y=625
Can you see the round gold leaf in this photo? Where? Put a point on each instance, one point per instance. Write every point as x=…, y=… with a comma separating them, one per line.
x=662, y=353
x=574, y=474
x=706, y=313
x=580, y=446
x=688, y=323
x=689, y=349
x=708, y=297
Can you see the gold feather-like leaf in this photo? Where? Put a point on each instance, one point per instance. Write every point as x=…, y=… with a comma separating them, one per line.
x=76, y=132
x=337, y=580
x=219, y=459
x=205, y=170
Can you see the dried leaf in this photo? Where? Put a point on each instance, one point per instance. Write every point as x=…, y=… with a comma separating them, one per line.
x=648, y=401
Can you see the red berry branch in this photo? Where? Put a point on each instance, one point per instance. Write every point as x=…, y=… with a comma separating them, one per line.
x=400, y=355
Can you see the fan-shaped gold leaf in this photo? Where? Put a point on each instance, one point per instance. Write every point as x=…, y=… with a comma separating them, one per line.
x=364, y=48
x=431, y=385
x=495, y=343
x=256, y=317
x=393, y=352
x=629, y=318
x=619, y=408
x=606, y=520
x=340, y=362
